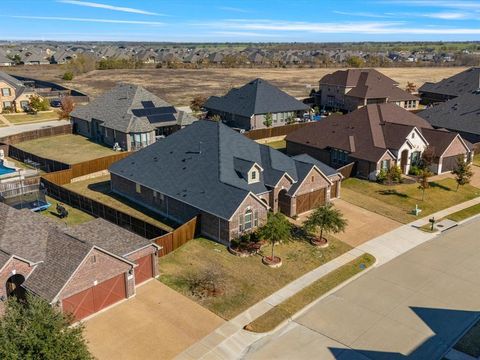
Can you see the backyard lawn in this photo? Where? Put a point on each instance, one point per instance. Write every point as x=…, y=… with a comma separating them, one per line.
x=75, y=216
x=476, y=160
x=397, y=201
x=98, y=188
x=23, y=118
x=246, y=280
x=279, y=145
x=70, y=149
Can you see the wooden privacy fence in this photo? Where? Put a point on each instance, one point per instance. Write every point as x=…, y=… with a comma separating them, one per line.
x=347, y=170
x=275, y=131
x=176, y=238
x=36, y=134
x=95, y=165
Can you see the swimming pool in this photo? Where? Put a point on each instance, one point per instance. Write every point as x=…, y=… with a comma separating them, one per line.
x=5, y=170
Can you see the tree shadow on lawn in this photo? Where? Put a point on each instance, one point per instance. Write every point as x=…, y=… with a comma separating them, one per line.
x=434, y=184
x=392, y=192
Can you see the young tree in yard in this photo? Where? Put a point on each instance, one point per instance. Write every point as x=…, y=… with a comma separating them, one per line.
x=326, y=219
x=462, y=172
x=423, y=180
x=66, y=107
x=277, y=228
x=197, y=103
x=268, y=120
x=35, y=330
x=411, y=87
x=38, y=104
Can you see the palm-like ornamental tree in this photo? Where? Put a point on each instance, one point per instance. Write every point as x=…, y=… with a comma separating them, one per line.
x=277, y=228
x=327, y=219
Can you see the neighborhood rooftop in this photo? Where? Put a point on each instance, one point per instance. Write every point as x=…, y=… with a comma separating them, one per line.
x=465, y=82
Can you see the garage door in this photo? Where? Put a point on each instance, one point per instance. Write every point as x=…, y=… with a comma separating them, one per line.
x=449, y=163
x=144, y=270
x=311, y=200
x=96, y=298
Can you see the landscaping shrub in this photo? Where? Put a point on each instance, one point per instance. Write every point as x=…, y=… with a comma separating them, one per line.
x=39, y=104
x=382, y=176
x=68, y=76
x=210, y=282
x=414, y=170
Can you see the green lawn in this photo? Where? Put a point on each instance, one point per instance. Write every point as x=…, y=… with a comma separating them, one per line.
x=397, y=201
x=465, y=213
x=70, y=149
x=99, y=189
x=292, y=305
x=23, y=118
x=476, y=160
x=281, y=144
x=75, y=216
x=247, y=280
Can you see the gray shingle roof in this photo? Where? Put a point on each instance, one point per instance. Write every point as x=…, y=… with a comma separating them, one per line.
x=462, y=83
x=131, y=108
x=108, y=236
x=204, y=165
x=256, y=97
x=460, y=114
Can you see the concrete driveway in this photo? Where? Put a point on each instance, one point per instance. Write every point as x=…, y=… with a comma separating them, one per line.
x=363, y=225
x=416, y=306
x=158, y=323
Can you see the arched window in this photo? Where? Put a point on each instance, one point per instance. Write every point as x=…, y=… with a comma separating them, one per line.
x=248, y=219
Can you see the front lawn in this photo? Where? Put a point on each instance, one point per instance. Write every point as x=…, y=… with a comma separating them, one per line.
x=247, y=280
x=397, y=201
x=285, y=310
x=70, y=149
x=99, y=189
x=23, y=118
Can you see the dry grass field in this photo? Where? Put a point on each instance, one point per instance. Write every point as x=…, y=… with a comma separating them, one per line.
x=179, y=86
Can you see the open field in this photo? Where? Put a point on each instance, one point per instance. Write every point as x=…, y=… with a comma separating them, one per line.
x=397, y=201
x=179, y=86
x=28, y=118
x=98, y=189
x=70, y=149
x=247, y=280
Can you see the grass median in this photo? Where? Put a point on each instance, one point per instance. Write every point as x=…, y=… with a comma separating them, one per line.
x=272, y=318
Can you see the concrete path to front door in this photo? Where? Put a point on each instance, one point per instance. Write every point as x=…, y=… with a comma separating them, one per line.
x=158, y=323
x=230, y=341
x=4, y=121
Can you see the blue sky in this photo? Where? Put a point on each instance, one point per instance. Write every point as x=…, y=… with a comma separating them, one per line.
x=241, y=20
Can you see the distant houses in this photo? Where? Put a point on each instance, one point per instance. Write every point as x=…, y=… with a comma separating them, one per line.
x=230, y=181
x=128, y=116
x=249, y=106
x=348, y=90
x=376, y=137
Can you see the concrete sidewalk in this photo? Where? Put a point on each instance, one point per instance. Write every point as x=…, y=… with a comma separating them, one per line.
x=17, y=129
x=229, y=341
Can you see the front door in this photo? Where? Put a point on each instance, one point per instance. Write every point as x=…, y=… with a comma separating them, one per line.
x=404, y=161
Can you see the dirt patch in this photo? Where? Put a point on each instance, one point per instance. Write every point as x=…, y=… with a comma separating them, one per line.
x=179, y=86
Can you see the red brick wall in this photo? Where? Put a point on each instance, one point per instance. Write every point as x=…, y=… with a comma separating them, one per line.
x=144, y=252
x=255, y=205
x=105, y=267
x=20, y=267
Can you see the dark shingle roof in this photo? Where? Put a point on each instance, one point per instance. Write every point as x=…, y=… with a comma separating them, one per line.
x=256, y=97
x=366, y=133
x=131, y=108
x=204, y=165
x=465, y=82
x=460, y=114
x=367, y=84
x=108, y=236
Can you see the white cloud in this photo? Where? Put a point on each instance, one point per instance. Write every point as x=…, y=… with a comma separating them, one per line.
x=448, y=15
x=108, y=7
x=380, y=28
x=363, y=14
x=92, y=20
x=233, y=9
x=243, y=33
x=436, y=3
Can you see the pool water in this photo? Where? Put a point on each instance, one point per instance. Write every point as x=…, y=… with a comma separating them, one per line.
x=5, y=170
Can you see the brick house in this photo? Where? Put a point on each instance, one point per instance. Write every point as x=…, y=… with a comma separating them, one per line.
x=128, y=115
x=81, y=270
x=348, y=90
x=14, y=95
x=247, y=106
x=230, y=181
x=377, y=137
